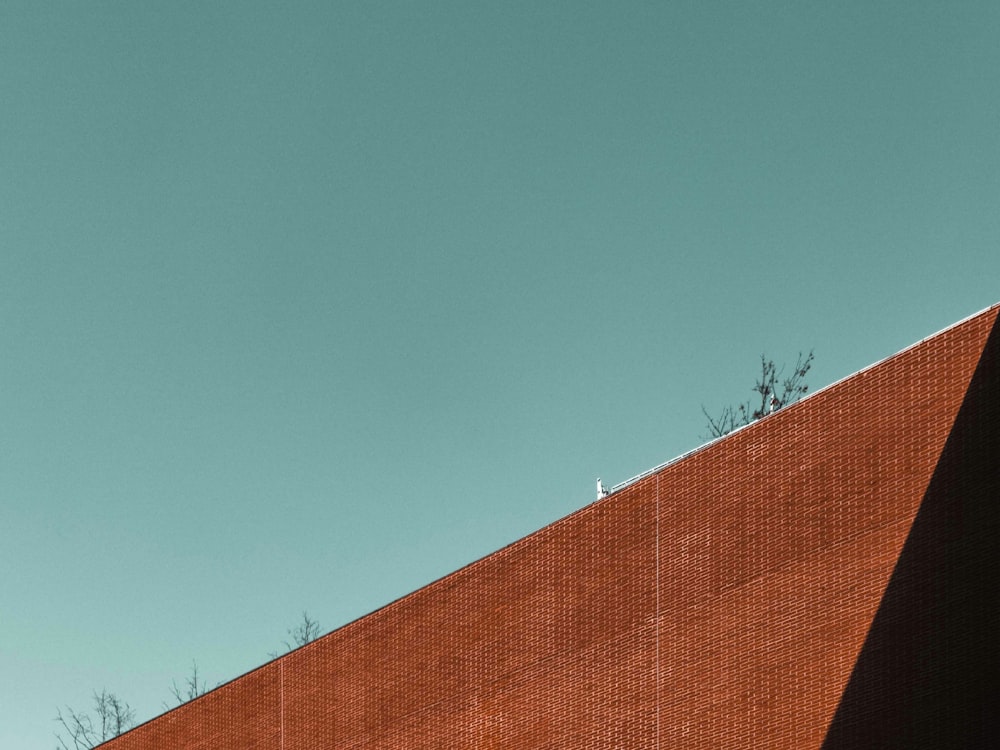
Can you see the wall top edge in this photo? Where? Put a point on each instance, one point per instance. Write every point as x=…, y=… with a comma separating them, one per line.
x=656, y=469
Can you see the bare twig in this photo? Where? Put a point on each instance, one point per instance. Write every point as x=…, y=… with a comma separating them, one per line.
x=112, y=717
x=773, y=392
x=303, y=633
x=192, y=688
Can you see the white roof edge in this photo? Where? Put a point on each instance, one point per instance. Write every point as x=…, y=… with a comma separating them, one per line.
x=681, y=457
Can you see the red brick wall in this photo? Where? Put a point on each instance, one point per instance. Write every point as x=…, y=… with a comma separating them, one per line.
x=719, y=602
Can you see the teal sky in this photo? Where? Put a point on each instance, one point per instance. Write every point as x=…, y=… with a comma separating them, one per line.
x=304, y=305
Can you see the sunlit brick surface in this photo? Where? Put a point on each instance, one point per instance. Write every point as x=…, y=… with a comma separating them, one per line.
x=720, y=602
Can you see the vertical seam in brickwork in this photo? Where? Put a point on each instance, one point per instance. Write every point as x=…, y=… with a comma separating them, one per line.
x=656, y=612
x=281, y=703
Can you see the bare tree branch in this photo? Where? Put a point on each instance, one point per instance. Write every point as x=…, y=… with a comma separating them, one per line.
x=303, y=633
x=774, y=393
x=192, y=688
x=112, y=717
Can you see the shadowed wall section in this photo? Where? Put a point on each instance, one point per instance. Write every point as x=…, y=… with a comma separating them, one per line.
x=778, y=541
x=928, y=673
x=720, y=601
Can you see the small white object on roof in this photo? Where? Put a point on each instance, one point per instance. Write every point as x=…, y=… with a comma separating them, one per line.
x=601, y=490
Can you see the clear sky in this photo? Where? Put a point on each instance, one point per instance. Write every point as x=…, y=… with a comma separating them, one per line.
x=304, y=305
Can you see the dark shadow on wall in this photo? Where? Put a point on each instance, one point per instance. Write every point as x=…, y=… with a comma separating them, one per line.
x=927, y=675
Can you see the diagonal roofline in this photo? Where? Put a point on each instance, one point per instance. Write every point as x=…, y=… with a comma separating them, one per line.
x=279, y=659
x=659, y=467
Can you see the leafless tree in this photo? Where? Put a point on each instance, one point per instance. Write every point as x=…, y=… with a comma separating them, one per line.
x=773, y=392
x=303, y=633
x=112, y=716
x=192, y=688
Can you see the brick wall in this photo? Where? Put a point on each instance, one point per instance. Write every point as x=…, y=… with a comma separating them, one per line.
x=719, y=602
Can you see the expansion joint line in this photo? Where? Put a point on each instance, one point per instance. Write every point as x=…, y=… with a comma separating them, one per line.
x=281, y=702
x=656, y=613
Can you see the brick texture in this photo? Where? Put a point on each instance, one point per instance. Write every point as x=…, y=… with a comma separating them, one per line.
x=721, y=601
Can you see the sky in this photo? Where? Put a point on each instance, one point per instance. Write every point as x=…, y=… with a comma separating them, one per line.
x=305, y=305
